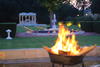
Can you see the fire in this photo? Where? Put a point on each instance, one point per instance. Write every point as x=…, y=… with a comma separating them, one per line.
x=66, y=44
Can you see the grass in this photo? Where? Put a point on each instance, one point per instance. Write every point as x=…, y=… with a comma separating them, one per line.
x=39, y=42
x=89, y=40
x=22, y=29
x=27, y=42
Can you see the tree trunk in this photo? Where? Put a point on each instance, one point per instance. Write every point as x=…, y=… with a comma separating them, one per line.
x=51, y=16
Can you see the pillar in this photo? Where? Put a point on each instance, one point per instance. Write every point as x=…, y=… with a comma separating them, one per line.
x=34, y=19
x=29, y=19
x=25, y=20
x=22, y=19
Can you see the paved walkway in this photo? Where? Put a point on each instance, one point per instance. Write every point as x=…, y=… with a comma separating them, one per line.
x=33, y=53
x=38, y=57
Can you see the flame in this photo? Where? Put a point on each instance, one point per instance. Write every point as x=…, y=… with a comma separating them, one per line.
x=65, y=43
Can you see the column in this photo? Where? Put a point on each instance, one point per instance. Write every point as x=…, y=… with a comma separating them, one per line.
x=34, y=19
x=22, y=19
x=19, y=19
x=25, y=20
x=29, y=19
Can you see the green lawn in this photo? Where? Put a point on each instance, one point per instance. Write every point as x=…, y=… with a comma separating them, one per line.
x=22, y=29
x=39, y=42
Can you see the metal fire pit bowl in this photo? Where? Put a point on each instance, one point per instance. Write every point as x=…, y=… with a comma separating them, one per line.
x=66, y=60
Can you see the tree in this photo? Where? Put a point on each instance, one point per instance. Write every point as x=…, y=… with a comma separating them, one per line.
x=52, y=5
x=8, y=10
x=65, y=11
x=95, y=6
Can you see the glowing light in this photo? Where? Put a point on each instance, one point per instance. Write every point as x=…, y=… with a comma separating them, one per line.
x=79, y=25
x=68, y=24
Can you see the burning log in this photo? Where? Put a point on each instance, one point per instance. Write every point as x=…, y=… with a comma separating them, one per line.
x=83, y=51
x=48, y=49
x=86, y=49
x=63, y=53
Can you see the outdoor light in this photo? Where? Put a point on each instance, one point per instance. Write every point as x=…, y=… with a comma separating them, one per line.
x=69, y=24
x=8, y=34
x=78, y=15
x=79, y=25
x=86, y=14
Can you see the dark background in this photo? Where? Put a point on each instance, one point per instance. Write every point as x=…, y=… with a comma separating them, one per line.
x=10, y=9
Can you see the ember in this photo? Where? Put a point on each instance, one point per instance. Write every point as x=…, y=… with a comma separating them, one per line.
x=67, y=45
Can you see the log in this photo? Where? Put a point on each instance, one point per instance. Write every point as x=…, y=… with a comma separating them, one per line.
x=48, y=49
x=63, y=53
x=85, y=50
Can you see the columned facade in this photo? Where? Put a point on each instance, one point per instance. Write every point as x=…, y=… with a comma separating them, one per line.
x=27, y=18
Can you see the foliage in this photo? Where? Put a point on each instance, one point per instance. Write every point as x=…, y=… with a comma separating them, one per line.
x=66, y=12
x=51, y=4
x=95, y=6
x=7, y=10
x=84, y=18
x=10, y=9
x=93, y=17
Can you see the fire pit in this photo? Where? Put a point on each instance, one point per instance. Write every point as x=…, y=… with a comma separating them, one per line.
x=66, y=50
x=66, y=60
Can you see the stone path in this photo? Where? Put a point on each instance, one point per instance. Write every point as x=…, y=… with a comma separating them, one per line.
x=38, y=57
x=34, y=53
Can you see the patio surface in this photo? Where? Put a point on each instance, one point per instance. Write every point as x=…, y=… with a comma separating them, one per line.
x=37, y=57
x=34, y=53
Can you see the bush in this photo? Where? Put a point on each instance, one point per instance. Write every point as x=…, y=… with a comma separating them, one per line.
x=96, y=26
x=88, y=23
x=87, y=26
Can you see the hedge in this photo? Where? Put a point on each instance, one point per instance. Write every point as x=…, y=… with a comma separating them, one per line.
x=7, y=25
